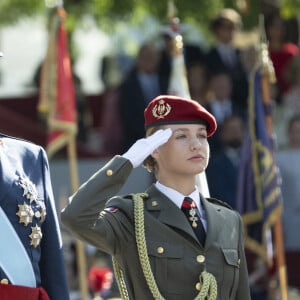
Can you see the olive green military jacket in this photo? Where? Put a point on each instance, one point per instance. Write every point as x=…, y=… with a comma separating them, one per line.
x=176, y=257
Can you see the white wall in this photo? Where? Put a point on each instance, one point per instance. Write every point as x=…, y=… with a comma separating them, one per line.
x=24, y=45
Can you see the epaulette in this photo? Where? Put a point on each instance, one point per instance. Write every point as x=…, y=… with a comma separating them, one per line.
x=18, y=139
x=117, y=203
x=131, y=196
x=219, y=202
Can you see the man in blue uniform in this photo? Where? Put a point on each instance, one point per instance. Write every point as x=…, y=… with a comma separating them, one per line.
x=31, y=258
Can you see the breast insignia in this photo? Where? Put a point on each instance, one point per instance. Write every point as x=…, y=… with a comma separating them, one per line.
x=111, y=209
x=29, y=189
x=25, y=214
x=33, y=210
x=35, y=236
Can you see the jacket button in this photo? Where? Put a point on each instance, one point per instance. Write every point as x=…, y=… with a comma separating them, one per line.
x=198, y=286
x=109, y=172
x=4, y=281
x=201, y=259
x=160, y=250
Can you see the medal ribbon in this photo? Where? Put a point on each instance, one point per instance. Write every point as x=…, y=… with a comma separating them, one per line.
x=14, y=259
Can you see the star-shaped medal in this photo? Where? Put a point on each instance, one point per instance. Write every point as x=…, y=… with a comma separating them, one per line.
x=35, y=236
x=29, y=189
x=25, y=214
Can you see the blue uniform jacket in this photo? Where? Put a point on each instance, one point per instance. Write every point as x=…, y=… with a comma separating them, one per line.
x=26, y=197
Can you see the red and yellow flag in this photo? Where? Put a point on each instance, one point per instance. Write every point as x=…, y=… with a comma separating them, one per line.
x=57, y=94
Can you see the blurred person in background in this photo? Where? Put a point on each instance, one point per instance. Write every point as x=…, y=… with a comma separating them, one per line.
x=281, y=51
x=224, y=56
x=140, y=85
x=227, y=160
x=111, y=125
x=291, y=98
x=197, y=81
x=288, y=161
x=219, y=102
x=220, y=96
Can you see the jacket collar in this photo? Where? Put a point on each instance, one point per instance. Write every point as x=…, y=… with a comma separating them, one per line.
x=169, y=214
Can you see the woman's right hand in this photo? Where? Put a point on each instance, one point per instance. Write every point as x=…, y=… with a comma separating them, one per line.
x=142, y=148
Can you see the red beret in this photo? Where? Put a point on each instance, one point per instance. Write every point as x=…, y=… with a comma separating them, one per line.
x=166, y=109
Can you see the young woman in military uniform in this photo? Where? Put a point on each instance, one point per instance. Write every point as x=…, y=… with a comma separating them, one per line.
x=158, y=251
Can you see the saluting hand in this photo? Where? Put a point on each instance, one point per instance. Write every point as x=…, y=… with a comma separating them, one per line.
x=142, y=148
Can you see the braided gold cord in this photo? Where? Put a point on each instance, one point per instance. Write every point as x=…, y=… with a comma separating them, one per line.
x=207, y=280
x=209, y=289
x=120, y=280
x=141, y=244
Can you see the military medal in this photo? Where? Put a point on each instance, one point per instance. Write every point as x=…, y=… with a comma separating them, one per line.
x=29, y=189
x=193, y=217
x=25, y=214
x=190, y=210
x=35, y=236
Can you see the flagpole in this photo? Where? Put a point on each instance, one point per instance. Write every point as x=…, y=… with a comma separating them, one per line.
x=267, y=78
x=72, y=158
x=178, y=84
x=80, y=253
x=63, y=122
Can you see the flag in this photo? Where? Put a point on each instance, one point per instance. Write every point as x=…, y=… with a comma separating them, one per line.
x=259, y=195
x=57, y=94
x=178, y=84
x=57, y=105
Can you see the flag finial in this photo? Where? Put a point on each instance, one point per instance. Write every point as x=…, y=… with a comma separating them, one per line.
x=172, y=10
x=174, y=28
x=264, y=58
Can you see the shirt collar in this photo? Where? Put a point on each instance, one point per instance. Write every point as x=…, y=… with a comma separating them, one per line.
x=225, y=47
x=177, y=197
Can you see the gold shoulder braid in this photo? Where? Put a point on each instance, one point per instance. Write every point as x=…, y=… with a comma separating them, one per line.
x=207, y=280
x=120, y=279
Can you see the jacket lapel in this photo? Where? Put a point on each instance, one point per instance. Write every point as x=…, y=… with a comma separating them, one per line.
x=7, y=165
x=167, y=212
x=215, y=219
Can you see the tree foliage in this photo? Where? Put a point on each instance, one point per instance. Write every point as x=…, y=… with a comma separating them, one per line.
x=106, y=12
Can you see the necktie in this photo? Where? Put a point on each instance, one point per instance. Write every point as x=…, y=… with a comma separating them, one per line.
x=189, y=208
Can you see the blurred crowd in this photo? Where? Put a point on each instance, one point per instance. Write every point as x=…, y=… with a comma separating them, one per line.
x=218, y=78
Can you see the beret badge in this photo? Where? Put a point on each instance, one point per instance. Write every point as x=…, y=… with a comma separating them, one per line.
x=161, y=109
